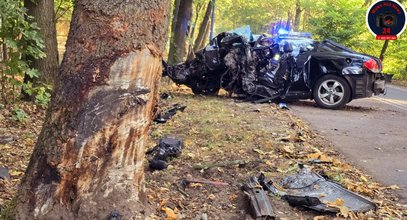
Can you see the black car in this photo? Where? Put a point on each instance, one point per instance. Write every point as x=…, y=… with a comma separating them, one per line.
x=261, y=69
x=335, y=74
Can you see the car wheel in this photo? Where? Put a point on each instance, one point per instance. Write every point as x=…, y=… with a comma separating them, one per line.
x=331, y=92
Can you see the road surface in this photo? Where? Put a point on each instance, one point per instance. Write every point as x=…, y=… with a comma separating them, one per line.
x=371, y=132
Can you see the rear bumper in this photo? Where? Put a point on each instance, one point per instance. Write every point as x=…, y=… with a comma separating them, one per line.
x=379, y=87
x=366, y=84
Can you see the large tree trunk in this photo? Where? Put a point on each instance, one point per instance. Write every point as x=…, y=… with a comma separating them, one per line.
x=297, y=15
x=88, y=160
x=178, y=49
x=203, y=28
x=44, y=16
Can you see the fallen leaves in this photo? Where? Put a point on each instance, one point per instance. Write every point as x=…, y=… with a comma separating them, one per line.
x=170, y=214
x=320, y=156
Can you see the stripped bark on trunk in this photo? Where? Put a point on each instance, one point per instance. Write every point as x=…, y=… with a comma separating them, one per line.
x=88, y=160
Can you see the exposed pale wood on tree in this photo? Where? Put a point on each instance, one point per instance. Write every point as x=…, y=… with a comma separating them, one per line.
x=88, y=160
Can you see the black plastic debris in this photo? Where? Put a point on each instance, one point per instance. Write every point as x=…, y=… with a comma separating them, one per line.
x=115, y=215
x=260, y=206
x=4, y=173
x=165, y=95
x=310, y=190
x=163, y=117
x=164, y=150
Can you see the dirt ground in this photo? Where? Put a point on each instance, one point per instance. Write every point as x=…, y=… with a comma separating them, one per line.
x=218, y=129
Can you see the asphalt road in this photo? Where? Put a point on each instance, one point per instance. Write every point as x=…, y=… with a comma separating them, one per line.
x=371, y=133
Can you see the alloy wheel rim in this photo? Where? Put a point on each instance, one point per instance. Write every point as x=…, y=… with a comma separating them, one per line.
x=331, y=92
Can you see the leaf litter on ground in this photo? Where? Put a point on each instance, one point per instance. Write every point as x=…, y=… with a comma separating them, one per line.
x=218, y=130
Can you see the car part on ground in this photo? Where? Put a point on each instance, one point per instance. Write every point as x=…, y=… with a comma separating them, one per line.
x=166, y=148
x=278, y=68
x=187, y=181
x=163, y=117
x=4, y=173
x=260, y=205
x=310, y=190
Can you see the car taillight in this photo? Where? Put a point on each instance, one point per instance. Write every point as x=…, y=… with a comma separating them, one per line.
x=372, y=65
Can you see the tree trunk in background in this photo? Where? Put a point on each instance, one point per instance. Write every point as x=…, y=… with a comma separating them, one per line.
x=191, y=52
x=204, y=28
x=384, y=48
x=305, y=20
x=88, y=160
x=173, y=23
x=178, y=49
x=386, y=44
x=44, y=16
x=297, y=15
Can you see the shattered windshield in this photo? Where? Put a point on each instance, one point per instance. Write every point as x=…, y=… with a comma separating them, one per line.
x=298, y=43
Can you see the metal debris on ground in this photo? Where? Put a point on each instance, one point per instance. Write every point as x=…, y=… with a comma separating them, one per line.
x=283, y=105
x=309, y=189
x=239, y=163
x=187, y=181
x=4, y=174
x=164, y=116
x=6, y=139
x=165, y=149
x=260, y=206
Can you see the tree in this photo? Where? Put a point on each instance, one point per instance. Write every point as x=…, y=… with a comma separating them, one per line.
x=297, y=18
x=178, y=48
x=204, y=28
x=198, y=7
x=43, y=13
x=88, y=160
x=19, y=38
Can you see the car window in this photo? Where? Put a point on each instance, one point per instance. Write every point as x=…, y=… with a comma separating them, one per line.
x=297, y=43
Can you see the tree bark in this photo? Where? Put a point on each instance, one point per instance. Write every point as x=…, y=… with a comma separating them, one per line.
x=191, y=52
x=203, y=28
x=178, y=50
x=173, y=23
x=44, y=16
x=88, y=160
x=384, y=48
x=297, y=15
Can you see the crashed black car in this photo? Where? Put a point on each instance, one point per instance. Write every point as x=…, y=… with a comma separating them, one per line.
x=263, y=68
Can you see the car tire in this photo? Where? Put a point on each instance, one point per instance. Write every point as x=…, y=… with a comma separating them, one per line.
x=331, y=92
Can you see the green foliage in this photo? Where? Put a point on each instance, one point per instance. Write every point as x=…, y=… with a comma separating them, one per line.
x=63, y=9
x=19, y=39
x=341, y=21
x=43, y=97
x=19, y=115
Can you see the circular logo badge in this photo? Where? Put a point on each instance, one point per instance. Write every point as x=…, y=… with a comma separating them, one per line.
x=386, y=19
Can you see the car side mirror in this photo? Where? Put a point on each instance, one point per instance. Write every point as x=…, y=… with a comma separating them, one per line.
x=288, y=48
